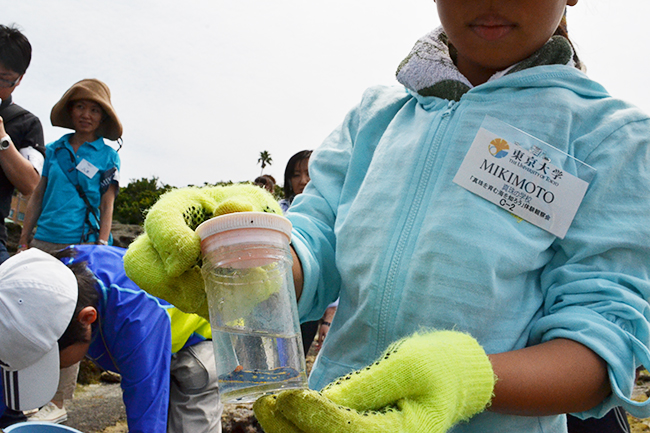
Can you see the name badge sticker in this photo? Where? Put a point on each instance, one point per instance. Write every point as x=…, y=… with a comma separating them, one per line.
x=525, y=176
x=87, y=168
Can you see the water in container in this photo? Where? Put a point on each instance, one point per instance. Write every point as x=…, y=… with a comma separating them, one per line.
x=253, y=311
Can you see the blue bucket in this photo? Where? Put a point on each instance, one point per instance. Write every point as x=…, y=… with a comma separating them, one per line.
x=39, y=427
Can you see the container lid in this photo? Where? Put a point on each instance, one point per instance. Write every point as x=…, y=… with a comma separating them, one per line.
x=244, y=220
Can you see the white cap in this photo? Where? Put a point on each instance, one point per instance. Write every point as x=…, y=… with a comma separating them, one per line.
x=38, y=296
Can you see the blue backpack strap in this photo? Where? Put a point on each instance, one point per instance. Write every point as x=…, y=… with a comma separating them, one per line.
x=67, y=162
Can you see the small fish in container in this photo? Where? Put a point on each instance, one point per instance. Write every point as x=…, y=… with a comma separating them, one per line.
x=247, y=269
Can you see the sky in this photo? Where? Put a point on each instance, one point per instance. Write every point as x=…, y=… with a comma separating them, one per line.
x=203, y=86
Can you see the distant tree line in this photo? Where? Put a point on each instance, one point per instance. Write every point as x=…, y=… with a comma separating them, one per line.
x=138, y=196
x=135, y=198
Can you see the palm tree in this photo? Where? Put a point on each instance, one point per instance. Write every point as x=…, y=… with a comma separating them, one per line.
x=264, y=159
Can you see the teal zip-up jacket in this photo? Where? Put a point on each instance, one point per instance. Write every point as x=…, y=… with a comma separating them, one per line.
x=382, y=225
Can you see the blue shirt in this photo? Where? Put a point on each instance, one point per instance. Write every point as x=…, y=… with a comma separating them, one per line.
x=135, y=336
x=63, y=213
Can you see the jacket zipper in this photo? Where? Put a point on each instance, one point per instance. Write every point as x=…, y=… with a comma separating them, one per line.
x=395, y=266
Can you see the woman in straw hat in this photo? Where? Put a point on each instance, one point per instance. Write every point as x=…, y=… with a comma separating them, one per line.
x=73, y=202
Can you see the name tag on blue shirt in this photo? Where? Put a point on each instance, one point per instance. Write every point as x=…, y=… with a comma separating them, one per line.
x=525, y=176
x=87, y=168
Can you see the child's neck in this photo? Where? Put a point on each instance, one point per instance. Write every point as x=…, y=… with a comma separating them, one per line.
x=476, y=74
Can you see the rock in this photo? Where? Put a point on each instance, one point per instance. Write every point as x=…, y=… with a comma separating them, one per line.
x=89, y=373
x=123, y=234
x=110, y=377
x=96, y=407
x=13, y=235
x=239, y=418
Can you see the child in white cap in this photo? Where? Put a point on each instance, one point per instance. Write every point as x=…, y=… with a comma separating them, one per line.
x=38, y=295
x=55, y=311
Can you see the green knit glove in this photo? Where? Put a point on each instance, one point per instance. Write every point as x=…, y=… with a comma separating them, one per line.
x=166, y=259
x=425, y=383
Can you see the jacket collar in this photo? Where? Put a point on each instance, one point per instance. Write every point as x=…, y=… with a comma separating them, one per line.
x=429, y=69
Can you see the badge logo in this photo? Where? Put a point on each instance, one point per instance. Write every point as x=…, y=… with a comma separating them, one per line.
x=498, y=148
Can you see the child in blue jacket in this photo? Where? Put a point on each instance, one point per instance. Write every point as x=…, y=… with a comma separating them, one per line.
x=164, y=356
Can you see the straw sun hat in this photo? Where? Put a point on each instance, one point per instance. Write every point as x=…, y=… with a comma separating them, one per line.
x=93, y=90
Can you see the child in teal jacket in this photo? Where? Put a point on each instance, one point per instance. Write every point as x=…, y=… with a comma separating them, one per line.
x=485, y=227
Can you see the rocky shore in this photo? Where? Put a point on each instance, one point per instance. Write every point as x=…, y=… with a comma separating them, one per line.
x=123, y=234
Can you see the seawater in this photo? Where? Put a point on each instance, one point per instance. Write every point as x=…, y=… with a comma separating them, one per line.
x=253, y=364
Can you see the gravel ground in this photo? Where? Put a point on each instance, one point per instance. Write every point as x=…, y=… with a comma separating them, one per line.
x=96, y=407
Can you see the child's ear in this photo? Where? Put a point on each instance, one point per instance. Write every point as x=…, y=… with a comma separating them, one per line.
x=88, y=315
